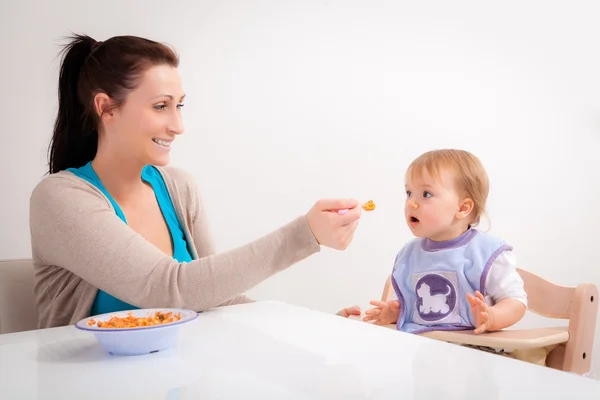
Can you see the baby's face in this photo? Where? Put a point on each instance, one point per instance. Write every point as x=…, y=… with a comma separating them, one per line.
x=432, y=204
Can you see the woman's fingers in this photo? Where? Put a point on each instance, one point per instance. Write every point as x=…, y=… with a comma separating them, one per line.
x=331, y=229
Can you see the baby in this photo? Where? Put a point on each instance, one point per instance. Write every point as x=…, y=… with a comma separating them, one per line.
x=452, y=276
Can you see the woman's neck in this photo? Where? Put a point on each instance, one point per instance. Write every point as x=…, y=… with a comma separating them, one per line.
x=121, y=176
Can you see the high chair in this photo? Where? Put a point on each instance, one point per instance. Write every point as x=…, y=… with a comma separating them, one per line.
x=571, y=346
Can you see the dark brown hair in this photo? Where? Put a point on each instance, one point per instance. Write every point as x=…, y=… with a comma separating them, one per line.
x=89, y=67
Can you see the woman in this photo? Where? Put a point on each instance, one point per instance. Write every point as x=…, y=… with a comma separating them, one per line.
x=114, y=228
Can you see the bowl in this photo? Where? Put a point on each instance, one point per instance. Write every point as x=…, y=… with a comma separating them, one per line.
x=139, y=340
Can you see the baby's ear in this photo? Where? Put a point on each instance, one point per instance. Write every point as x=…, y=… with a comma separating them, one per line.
x=464, y=209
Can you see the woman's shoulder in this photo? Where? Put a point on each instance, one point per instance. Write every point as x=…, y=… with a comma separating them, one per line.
x=180, y=180
x=177, y=174
x=64, y=187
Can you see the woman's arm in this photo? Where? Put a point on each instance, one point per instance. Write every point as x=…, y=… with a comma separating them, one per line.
x=73, y=226
x=202, y=233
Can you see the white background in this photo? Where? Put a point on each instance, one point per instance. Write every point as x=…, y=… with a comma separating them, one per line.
x=290, y=101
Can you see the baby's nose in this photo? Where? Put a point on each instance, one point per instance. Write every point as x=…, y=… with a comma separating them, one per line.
x=414, y=205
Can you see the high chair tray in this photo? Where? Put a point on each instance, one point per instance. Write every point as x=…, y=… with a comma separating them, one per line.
x=505, y=339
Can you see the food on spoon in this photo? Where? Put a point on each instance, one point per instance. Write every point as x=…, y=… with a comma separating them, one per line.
x=369, y=206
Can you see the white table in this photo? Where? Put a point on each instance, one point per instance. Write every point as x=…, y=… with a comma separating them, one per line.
x=272, y=350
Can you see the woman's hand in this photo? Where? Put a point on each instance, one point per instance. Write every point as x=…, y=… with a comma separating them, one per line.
x=330, y=228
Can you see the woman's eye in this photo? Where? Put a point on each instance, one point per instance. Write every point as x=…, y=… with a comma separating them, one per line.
x=427, y=194
x=180, y=105
x=160, y=107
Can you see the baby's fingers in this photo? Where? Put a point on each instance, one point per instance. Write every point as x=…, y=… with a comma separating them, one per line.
x=471, y=300
x=354, y=310
x=373, y=311
x=480, y=329
x=371, y=318
x=483, y=322
x=479, y=296
x=378, y=303
x=481, y=303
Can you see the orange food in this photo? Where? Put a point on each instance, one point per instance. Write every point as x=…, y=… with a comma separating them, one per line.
x=159, y=318
x=369, y=206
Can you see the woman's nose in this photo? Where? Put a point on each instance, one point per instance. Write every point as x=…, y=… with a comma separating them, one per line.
x=176, y=125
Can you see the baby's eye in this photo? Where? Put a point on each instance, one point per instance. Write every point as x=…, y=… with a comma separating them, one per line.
x=408, y=193
x=427, y=194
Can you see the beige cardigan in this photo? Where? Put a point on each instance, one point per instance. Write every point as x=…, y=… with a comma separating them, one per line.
x=79, y=245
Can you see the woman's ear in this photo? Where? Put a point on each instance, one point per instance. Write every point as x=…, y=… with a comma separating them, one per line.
x=465, y=208
x=102, y=105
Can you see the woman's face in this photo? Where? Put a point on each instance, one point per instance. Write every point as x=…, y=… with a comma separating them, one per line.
x=146, y=124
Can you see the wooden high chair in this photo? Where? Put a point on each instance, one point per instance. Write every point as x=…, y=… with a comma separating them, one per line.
x=572, y=350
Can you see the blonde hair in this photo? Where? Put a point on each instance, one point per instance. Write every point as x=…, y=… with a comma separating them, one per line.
x=470, y=178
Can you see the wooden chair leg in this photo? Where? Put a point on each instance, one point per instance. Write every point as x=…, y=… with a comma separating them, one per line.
x=582, y=326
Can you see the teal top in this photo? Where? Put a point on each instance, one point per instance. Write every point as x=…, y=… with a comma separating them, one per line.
x=104, y=302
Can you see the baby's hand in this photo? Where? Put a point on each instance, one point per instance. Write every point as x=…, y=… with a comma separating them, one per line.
x=347, y=312
x=482, y=313
x=384, y=313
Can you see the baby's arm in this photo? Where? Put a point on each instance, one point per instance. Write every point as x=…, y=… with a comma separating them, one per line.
x=505, y=313
x=503, y=280
x=507, y=298
x=506, y=290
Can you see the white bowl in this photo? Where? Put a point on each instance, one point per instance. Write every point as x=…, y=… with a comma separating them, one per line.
x=138, y=340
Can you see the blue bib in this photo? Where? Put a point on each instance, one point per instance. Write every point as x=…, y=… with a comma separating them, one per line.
x=432, y=279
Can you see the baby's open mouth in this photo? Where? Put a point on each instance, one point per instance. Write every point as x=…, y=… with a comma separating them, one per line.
x=413, y=219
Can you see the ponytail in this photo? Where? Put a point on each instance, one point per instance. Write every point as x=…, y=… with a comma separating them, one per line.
x=75, y=138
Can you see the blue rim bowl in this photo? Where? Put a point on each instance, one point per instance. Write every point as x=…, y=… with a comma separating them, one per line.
x=138, y=340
